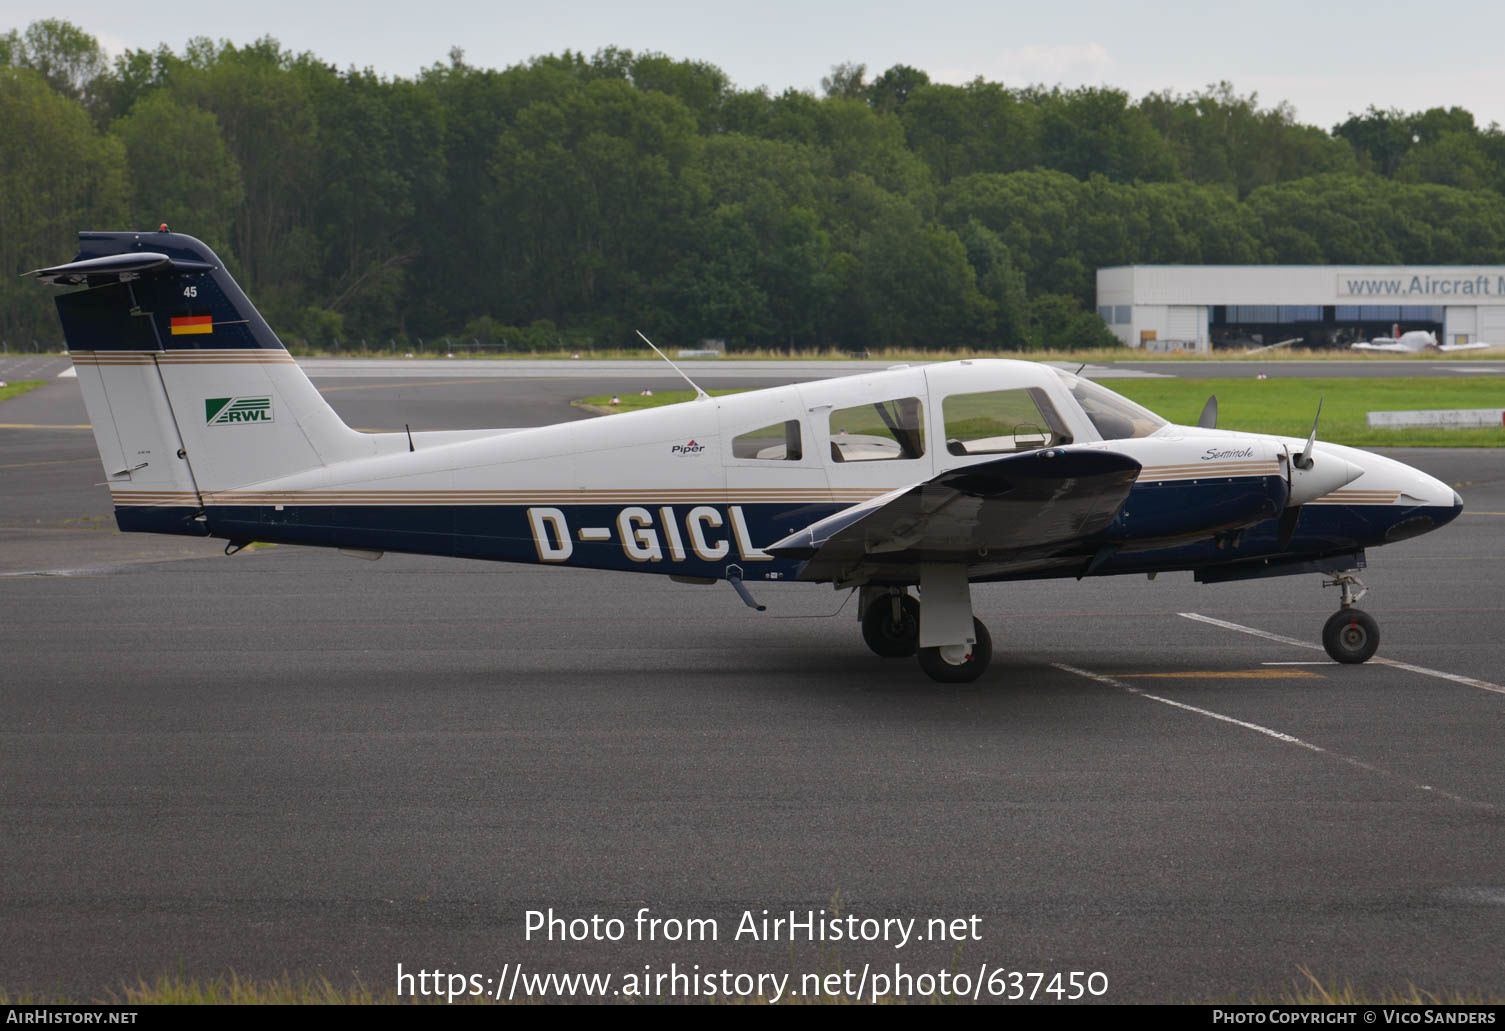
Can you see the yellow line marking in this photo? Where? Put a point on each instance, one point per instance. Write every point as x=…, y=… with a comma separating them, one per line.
x=1232, y=674
x=1380, y=660
x=41, y=426
x=1467, y=512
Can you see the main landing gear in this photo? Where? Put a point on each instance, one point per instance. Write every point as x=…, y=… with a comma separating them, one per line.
x=952, y=645
x=1350, y=635
x=891, y=624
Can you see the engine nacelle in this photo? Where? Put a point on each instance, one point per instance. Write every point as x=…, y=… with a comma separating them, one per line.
x=1192, y=488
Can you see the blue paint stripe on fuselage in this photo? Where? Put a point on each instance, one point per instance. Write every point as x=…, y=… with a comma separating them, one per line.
x=506, y=533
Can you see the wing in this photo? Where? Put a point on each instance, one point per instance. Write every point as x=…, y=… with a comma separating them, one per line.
x=1040, y=503
x=1465, y=347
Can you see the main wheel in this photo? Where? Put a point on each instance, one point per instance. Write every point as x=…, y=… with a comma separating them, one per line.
x=933, y=663
x=887, y=637
x=1350, y=635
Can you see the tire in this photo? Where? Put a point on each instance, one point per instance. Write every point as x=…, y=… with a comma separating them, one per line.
x=947, y=673
x=886, y=638
x=1351, y=636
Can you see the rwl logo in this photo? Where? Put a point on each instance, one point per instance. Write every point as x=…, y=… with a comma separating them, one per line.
x=691, y=448
x=223, y=411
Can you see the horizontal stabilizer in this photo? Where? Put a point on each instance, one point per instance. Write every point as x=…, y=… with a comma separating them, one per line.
x=95, y=271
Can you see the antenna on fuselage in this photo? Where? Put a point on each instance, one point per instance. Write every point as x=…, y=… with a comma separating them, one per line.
x=699, y=394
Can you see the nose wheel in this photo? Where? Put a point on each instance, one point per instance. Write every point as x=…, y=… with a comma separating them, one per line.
x=1350, y=635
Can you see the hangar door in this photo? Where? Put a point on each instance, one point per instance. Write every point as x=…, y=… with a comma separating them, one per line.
x=1183, y=323
x=1492, y=326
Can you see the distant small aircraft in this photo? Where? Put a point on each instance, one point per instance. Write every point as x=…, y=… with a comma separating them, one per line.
x=1413, y=342
x=936, y=477
x=1270, y=347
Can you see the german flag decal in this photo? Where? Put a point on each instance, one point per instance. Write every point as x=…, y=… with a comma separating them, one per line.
x=186, y=324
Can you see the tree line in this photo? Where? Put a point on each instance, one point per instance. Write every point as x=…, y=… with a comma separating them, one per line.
x=568, y=200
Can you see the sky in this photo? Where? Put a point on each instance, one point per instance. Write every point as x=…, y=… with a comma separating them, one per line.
x=1327, y=58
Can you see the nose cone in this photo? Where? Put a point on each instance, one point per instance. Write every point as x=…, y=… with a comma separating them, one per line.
x=1442, y=505
x=1442, y=502
x=1449, y=515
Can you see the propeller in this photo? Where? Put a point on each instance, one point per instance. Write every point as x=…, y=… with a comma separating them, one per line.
x=1292, y=515
x=1208, y=420
x=1304, y=460
x=1310, y=481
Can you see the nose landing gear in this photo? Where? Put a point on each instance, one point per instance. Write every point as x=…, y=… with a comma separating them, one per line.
x=1350, y=635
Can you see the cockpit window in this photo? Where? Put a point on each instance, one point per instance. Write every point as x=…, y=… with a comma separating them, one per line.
x=1115, y=416
x=1002, y=422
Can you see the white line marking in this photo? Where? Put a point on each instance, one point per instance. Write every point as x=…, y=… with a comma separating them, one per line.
x=1328, y=662
x=1288, y=739
x=1277, y=735
x=1482, y=685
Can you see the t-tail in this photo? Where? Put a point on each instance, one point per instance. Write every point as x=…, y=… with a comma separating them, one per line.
x=188, y=389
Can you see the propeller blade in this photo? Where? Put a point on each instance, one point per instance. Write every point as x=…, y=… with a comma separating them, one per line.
x=1304, y=460
x=1208, y=420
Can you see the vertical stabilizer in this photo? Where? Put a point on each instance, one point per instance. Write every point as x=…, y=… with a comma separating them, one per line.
x=188, y=389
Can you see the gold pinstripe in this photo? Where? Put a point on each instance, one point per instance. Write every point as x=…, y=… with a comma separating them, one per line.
x=495, y=497
x=1358, y=497
x=1208, y=470
x=206, y=356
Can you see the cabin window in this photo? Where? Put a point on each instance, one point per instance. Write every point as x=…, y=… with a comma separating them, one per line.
x=779, y=442
x=884, y=431
x=999, y=422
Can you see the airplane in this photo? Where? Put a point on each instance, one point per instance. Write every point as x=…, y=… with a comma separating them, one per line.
x=934, y=477
x=1413, y=342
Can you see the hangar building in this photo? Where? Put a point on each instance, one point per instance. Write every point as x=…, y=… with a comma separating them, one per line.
x=1199, y=307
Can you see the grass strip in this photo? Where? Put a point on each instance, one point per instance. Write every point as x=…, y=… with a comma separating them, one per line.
x=19, y=387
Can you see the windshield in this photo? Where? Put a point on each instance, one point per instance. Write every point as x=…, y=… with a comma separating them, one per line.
x=1115, y=417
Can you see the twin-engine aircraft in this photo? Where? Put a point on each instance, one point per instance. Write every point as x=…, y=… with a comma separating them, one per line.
x=935, y=477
